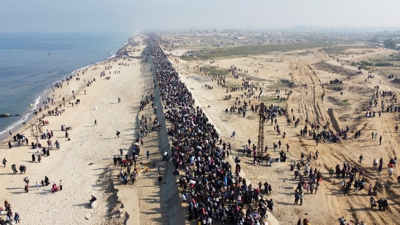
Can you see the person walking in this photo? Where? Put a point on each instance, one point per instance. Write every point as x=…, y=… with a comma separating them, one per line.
x=361, y=158
x=118, y=133
x=95, y=122
x=301, y=197
x=160, y=180
x=356, y=186
x=132, y=178
x=233, y=134
x=331, y=171
x=4, y=162
x=296, y=198
x=372, y=201
x=375, y=163
x=380, y=140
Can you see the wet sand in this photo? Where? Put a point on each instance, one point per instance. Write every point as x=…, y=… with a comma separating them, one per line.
x=84, y=164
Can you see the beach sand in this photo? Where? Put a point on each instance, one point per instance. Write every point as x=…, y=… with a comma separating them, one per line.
x=85, y=163
x=278, y=70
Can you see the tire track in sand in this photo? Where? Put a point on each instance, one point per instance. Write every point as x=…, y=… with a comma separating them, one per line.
x=311, y=94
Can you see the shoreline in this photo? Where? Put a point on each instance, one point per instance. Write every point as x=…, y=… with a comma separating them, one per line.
x=19, y=125
x=46, y=92
x=89, y=174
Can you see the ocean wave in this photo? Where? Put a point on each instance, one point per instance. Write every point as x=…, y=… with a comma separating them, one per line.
x=37, y=100
x=73, y=73
x=42, y=76
x=25, y=117
x=18, y=122
x=112, y=56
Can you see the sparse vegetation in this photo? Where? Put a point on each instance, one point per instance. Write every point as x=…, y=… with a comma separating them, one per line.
x=365, y=63
x=383, y=64
x=270, y=99
x=394, y=57
x=288, y=83
x=346, y=102
x=246, y=75
x=254, y=49
x=334, y=69
x=214, y=69
x=396, y=81
x=343, y=103
x=341, y=49
x=390, y=43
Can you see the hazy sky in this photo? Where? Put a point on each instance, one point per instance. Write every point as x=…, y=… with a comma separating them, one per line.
x=135, y=15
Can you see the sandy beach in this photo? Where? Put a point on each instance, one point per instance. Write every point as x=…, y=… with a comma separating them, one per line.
x=303, y=81
x=199, y=113
x=84, y=164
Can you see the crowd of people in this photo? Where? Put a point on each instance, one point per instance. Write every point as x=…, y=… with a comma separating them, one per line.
x=11, y=216
x=127, y=162
x=213, y=189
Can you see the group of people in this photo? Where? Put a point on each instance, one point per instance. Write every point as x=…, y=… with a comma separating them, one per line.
x=127, y=162
x=11, y=216
x=214, y=190
x=196, y=151
x=19, y=138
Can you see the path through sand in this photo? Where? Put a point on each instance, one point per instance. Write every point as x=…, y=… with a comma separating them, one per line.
x=319, y=104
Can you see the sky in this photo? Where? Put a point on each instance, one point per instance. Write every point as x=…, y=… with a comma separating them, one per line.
x=138, y=15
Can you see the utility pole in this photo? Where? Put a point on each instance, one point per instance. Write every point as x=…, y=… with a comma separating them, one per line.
x=260, y=144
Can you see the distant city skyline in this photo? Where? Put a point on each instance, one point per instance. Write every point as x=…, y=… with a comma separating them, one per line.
x=132, y=16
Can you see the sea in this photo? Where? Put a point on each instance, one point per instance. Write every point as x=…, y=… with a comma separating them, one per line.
x=31, y=62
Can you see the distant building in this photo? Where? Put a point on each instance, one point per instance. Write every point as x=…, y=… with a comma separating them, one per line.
x=300, y=27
